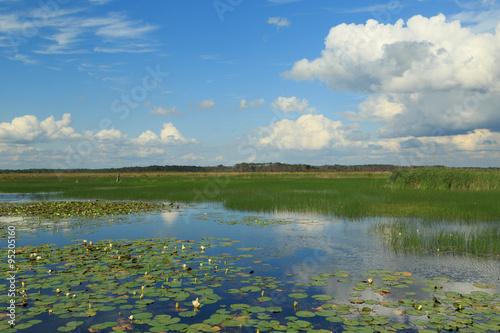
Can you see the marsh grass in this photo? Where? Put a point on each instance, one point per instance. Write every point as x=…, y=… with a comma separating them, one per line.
x=439, y=178
x=352, y=195
x=415, y=237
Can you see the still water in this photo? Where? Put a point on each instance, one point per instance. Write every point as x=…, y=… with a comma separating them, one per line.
x=294, y=247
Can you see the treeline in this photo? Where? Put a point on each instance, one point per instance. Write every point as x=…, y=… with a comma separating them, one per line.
x=241, y=167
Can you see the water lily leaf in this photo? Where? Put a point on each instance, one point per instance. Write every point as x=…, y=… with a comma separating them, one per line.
x=239, y=306
x=187, y=314
x=297, y=295
x=304, y=314
x=274, y=309
x=250, y=289
x=322, y=297
x=143, y=315
x=104, y=325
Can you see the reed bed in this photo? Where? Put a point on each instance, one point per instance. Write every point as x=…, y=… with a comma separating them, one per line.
x=440, y=178
x=414, y=237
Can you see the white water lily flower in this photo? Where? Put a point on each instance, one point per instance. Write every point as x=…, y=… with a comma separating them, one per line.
x=38, y=258
x=131, y=317
x=196, y=304
x=202, y=248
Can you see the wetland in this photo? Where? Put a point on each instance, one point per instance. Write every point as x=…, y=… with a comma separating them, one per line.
x=136, y=257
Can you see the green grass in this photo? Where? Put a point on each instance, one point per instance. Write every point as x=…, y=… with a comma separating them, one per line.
x=439, y=178
x=352, y=195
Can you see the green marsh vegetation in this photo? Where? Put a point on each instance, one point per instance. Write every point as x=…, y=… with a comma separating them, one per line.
x=351, y=195
x=211, y=285
x=435, y=238
x=439, y=178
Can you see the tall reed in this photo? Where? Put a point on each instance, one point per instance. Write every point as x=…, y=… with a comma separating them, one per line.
x=439, y=178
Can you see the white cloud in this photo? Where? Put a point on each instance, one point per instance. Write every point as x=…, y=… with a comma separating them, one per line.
x=62, y=32
x=206, y=104
x=146, y=138
x=169, y=135
x=479, y=22
x=24, y=59
x=279, y=22
x=427, y=53
x=426, y=76
x=309, y=132
x=254, y=104
x=119, y=27
x=29, y=129
x=164, y=111
x=110, y=135
x=292, y=104
x=192, y=157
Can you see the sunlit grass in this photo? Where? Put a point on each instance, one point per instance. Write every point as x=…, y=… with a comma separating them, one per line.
x=352, y=195
x=439, y=178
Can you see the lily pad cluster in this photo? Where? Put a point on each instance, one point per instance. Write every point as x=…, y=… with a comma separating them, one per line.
x=71, y=215
x=171, y=285
x=253, y=221
x=61, y=209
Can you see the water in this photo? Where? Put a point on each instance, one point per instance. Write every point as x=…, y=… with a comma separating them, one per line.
x=296, y=247
x=312, y=243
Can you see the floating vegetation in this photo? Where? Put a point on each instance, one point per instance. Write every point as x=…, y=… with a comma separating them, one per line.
x=253, y=221
x=75, y=216
x=169, y=285
x=67, y=209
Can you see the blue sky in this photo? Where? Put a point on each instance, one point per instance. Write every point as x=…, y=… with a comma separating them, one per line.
x=108, y=83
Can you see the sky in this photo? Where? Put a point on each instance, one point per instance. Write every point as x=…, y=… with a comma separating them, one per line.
x=114, y=83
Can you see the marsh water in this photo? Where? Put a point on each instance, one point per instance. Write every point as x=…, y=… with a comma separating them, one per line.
x=295, y=248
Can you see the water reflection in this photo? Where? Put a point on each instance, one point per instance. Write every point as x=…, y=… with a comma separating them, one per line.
x=305, y=245
x=439, y=238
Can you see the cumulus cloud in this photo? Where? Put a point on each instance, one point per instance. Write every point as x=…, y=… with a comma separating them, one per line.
x=423, y=76
x=309, y=132
x=29, y=129
x=169, y=135
x=424, y=53
x=292, y=104
x=254, y=104
x=206, y=104
x=164, y=111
